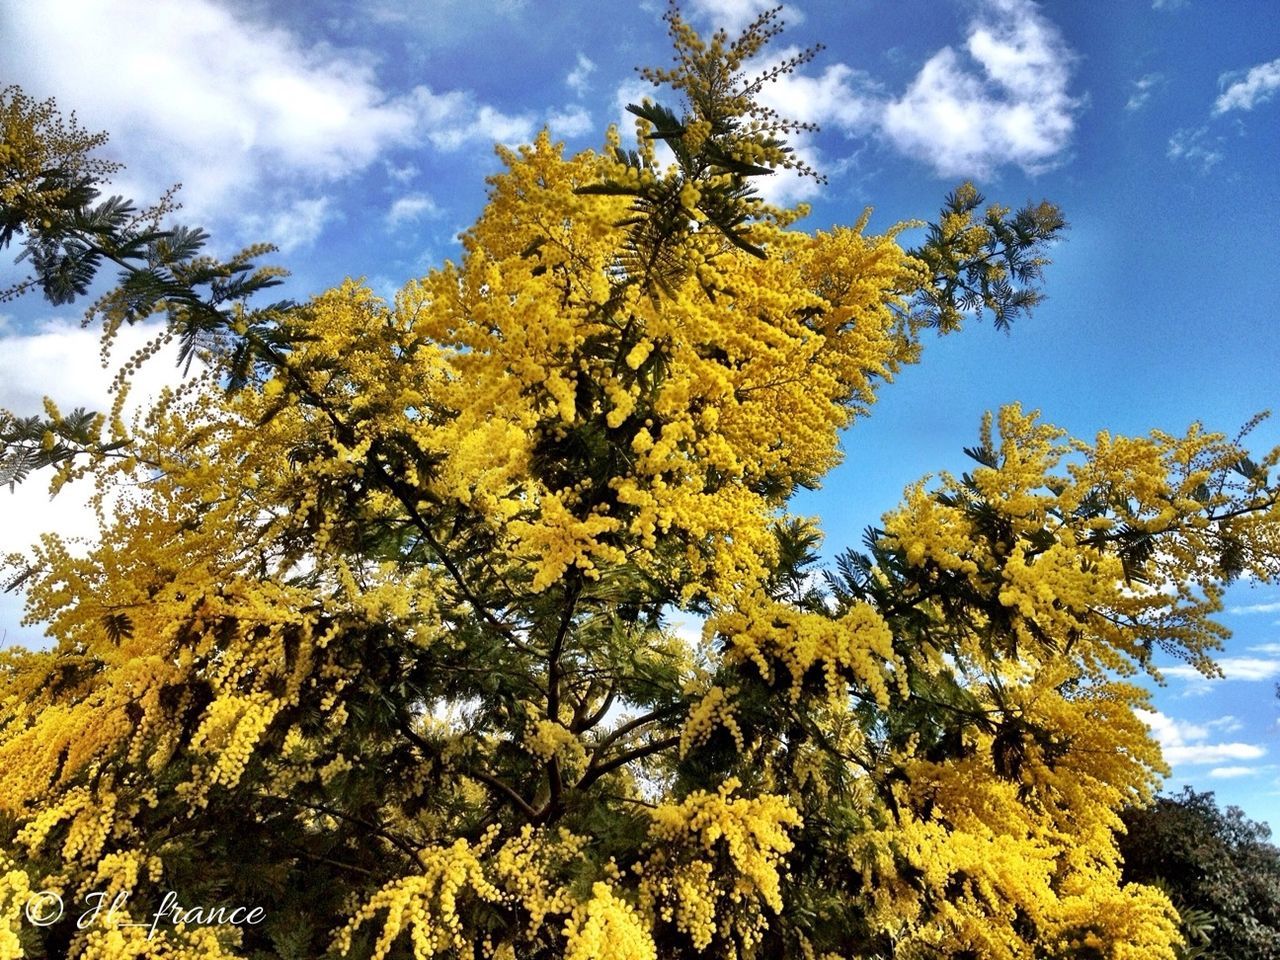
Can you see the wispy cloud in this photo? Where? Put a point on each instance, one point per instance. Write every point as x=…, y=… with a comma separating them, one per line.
x=1225, y=724
x=733, y=15
x=1270, y=607
x=411, y=208
x=579, y=78
x=1203, y=147
x=1168, y=4
x=1143, y=89
x=401, y=173
x=297, y=225
x=1257, y=86
x=1233, y=668
x=1196, y=146
x=1231, y=773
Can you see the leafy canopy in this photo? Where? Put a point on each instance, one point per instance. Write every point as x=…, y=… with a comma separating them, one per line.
x=1219, y=868
x=378, y=633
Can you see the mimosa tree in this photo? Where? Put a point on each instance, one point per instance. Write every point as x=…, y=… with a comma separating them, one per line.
x=377, y=633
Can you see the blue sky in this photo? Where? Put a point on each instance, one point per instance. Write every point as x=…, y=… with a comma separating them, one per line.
x=356, y=135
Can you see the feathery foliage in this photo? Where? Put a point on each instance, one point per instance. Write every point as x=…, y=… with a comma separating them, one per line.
x=383, y=638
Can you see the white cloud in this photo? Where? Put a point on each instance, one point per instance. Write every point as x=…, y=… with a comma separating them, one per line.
x=1225, y=724
x=1195, y=147
x=1229, y=773
x=1169, y=731
x=1203, y=753
x=63, y=358
x=569, y=122
x=1143, y=89
x=734, y=15
x=579, y=78
x=411, y=208
x=1256, y=608
x=453, y=120
x=1257, y=86
x=1182, y=743
x=403, y=173
x=1014, y=108
x=1168, y=4
x=1233, y=668
x=1273, y=648
x=846, y=98
x=289, y=228
x=231, y=108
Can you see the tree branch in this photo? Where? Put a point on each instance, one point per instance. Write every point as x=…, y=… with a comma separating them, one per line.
x=380, y=831
x=595, y=772
x=661, y=713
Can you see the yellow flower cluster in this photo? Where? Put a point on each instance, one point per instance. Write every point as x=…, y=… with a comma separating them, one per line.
x=15, y=888
x=229, y=732
x=513, y=345
x=685, y=882
x=855, y=649
x=426, y=904
x=1060, y=556
x=42, y=156
x=560, y=540
x=546, y=738
x=714, y=709
x=138, y=942
x=606, y=927
x=524, y=865
x=1020, y=825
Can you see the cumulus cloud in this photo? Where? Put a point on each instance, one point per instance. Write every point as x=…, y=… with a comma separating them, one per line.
x=454, y=120
x=266, y=109
x=840, y=97
x=1003, y=100
x=1184, y=744
x=1257, y=86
